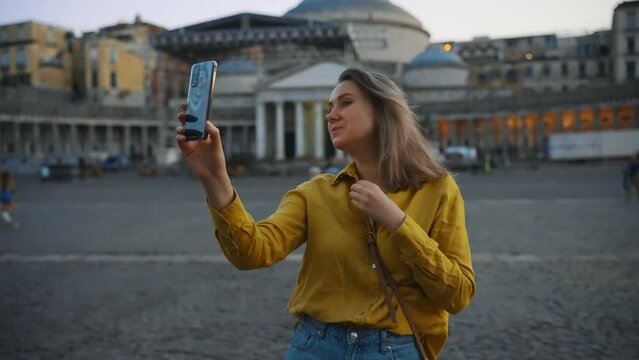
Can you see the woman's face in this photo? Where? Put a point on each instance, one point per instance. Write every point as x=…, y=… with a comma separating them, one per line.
x=351, y=118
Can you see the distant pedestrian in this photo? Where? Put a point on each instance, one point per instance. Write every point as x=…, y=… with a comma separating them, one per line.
x=81, y=167
x=7, y=190
x=387, y=257
x=487, y=164
x=45, y=172
x=631, y=178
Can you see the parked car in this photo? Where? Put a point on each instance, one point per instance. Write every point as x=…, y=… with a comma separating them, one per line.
x=116, y=163
x=461, y=158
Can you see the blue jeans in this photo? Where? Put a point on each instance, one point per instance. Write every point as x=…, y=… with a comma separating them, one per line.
x=313, y=339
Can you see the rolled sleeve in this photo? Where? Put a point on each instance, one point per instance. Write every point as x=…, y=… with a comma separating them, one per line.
x=441, y=264
x=227, y=221
x=405, y=237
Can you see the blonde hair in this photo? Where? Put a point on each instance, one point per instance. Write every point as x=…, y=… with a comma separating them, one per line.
x=404, y=158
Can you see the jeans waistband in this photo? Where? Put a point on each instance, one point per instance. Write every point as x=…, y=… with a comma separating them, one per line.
x=352, y=334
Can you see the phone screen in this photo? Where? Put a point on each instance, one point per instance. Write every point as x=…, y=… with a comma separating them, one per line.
x=199, y=99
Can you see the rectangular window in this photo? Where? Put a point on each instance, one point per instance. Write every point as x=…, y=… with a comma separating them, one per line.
x=5, y=35
x=630, y=70
x=5, y=60
x=93, y=55
x=631, y=45
x=564, y=69
x=530, y=72
x=50, y=36
x=602, y=69
x=114, y=80
x=113, y=56
x=22, y=32
x=582, y=69
x=631, y=20
x=94, y=78
x=545, y=71
x=21, y=58
x=511, y=75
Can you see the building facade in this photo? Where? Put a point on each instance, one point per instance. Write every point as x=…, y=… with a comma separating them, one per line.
x=502, y=96
x=36, y=55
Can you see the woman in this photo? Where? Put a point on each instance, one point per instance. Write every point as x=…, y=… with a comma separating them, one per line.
x=7, y=189
x=342, y=297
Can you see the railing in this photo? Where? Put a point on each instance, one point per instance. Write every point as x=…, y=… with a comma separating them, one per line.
x=584, y=97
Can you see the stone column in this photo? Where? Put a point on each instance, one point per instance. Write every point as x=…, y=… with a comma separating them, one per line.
x=434, y=135
x=16, y=138
x=539, y=134
x=470, y=132
x=596, y=118
x=505, y=144
x=319, y=131
x=452, y=135
x=260, y=131
x=487, y=134
x=279, y=131
x=160, y=154
x=37, y=143
x=3, y=146
x=300, y=144
x=578, y=120
x=615, y=118
x=228, y=141
x=91, y=137
x=109, y=138
x=75, y=141
x=245, y=140
x=522, y=143
x=55, y=136
x=127, y=140
x=144, y=130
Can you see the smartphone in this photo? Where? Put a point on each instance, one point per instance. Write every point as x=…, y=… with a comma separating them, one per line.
x=199, y=99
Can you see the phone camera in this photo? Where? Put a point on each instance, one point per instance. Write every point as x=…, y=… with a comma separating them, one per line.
x=195, y=77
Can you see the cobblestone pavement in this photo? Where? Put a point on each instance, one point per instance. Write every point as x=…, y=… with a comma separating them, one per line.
x=128, y=268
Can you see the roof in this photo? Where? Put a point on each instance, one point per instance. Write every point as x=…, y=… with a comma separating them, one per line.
x=307, y=7
x=627, y=4
x=323, y=74
x=435, y=55
x=244, y=21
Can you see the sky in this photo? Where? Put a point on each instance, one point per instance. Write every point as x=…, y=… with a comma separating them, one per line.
x=444, y=19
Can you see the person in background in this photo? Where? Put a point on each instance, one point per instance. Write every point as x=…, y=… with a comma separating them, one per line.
x=631, y=178
x=44, y=172
x=7, y=190
x=387, y=256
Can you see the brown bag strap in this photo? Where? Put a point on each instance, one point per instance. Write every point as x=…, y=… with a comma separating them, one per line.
x=386, y=281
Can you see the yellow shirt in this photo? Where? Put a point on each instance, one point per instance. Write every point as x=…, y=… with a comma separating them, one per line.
x=428, y=255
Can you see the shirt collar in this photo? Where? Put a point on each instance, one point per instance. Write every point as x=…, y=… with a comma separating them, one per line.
x=349, y=172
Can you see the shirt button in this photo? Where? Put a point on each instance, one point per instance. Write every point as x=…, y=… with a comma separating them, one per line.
x=353, y=335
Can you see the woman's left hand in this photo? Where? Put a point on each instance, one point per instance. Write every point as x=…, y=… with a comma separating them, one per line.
x=371, y=200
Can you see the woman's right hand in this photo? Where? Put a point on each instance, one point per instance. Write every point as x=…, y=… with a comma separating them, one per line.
x=206, y=159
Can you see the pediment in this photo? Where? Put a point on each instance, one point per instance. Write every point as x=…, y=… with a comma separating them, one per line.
x=324, y=74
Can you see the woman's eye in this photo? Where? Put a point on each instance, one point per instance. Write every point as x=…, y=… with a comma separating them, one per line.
x=346, y=103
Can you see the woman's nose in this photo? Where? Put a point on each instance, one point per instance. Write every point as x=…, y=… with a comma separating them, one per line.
x=331, y=116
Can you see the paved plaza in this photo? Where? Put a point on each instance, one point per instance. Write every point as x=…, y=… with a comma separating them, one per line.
x=125, y=267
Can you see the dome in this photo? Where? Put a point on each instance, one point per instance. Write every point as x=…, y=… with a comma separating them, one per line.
x=435, y=55
x=308, y=8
